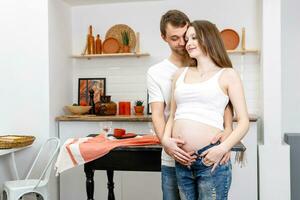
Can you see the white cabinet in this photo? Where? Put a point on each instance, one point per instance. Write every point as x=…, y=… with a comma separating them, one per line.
x=128, y=184
x=245, y=180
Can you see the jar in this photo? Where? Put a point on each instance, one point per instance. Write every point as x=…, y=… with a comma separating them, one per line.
x=105, y=106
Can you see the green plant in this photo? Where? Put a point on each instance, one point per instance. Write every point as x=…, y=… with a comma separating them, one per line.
x=125, y=38
x=139, y=103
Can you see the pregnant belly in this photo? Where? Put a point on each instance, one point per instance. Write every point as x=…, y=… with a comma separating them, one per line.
x=196, y=135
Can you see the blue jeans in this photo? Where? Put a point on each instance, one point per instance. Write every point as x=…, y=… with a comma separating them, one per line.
x=197, y=182
x=169, y=183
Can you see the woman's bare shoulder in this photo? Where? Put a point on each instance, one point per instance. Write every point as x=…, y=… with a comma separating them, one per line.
x=230, y=73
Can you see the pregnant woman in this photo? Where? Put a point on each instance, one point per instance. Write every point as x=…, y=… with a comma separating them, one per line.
x=199, y=97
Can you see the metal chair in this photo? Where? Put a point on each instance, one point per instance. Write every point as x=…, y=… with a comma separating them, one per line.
x=14, y=190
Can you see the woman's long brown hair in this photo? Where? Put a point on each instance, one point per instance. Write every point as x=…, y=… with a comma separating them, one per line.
x=211, y=43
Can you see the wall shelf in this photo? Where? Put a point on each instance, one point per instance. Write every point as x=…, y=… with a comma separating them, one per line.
x=255, y=51
x=110, y=55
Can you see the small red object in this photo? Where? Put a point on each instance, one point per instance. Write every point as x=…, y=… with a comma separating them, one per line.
x=83, y=103
x=127, y=109
x=124, y=108
x=119, y=132
x=121, y=108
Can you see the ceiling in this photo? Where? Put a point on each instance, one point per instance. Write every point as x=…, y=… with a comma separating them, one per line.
x=88, y=2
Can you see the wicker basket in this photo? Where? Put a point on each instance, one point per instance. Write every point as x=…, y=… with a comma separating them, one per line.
x=15, y=141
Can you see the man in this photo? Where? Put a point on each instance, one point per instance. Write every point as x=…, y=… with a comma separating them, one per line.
x=173, y=26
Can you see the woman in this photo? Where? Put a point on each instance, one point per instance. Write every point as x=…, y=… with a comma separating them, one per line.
x=199, y=97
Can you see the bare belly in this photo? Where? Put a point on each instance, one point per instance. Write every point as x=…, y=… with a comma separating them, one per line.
x=195, y=134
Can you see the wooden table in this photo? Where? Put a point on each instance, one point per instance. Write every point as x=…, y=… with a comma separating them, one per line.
x=139, y=158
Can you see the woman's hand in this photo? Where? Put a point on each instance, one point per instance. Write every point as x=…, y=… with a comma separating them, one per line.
x=221, y=136
x=172, y=147
x=213, y=156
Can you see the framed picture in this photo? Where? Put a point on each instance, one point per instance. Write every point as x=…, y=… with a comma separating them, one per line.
x=85, y=84
x=148, y=105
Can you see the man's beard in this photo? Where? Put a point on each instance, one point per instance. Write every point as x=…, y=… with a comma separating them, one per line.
x=180, y=51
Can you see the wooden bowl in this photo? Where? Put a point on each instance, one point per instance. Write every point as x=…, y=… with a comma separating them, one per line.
x=78, y=110
x=15, y=141
x=111, y=45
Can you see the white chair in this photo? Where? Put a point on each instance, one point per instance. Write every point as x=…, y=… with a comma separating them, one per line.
x=14, y=190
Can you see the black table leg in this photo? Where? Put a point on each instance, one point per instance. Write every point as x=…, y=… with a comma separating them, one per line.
x=89, y=173
x=110, y=184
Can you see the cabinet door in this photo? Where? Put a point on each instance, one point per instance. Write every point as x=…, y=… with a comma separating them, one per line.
x=244, y=179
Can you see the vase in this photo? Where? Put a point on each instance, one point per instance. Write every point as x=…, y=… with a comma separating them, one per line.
x=126, y=49
x=139, y=110
x=105, y=106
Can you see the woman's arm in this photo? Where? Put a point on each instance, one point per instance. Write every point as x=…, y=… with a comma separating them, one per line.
x=233, y=85
x=221, y=136
x=237, y=98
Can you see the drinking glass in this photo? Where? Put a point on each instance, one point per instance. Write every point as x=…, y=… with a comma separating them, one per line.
x=105, y=127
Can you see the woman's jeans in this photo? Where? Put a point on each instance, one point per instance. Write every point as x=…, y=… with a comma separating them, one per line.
x=197, y=182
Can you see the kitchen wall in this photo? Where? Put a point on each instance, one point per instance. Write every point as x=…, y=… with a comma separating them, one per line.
x=24, y=77
x=126, y=76
x=60, y=72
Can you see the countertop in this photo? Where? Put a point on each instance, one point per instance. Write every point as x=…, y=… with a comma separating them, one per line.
x=121, y=118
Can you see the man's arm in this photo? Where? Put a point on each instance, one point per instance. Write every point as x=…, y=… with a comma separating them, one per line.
x=228, y=118
x=158, y=118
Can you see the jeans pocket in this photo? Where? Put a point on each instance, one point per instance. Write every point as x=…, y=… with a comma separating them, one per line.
x=203, y=163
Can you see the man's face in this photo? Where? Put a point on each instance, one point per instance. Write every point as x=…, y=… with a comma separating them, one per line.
x=175, y=38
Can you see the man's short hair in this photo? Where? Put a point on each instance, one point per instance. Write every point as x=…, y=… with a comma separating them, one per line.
x=175, y=17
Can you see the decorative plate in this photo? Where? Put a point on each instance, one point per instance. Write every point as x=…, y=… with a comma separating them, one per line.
x=230, y=38
x=111, y=45
x=127, y=135
x=116, y=30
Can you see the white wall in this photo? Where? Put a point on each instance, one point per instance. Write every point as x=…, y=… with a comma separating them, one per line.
x=290, y=66
x=60, y=66
x=24, y=77
x=126, y=76
x=274, y=160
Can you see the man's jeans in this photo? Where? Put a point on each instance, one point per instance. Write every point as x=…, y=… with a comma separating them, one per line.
x=198, y=182
x=169, y=183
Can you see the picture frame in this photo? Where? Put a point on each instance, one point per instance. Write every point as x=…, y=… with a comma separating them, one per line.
x=148, y=105
x=85, y=84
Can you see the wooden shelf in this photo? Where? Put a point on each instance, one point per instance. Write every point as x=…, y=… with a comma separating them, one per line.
x=110, y=55
x=255, y=51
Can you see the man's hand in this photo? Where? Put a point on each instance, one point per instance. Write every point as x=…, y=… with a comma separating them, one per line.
x=172, y=147
x=221, y=136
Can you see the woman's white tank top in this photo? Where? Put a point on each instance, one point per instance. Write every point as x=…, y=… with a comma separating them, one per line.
x=204, y=102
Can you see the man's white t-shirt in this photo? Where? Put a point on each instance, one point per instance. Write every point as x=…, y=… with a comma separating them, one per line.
x=159, y=84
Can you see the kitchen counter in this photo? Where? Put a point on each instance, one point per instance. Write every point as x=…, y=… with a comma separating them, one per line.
x=121, y=118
